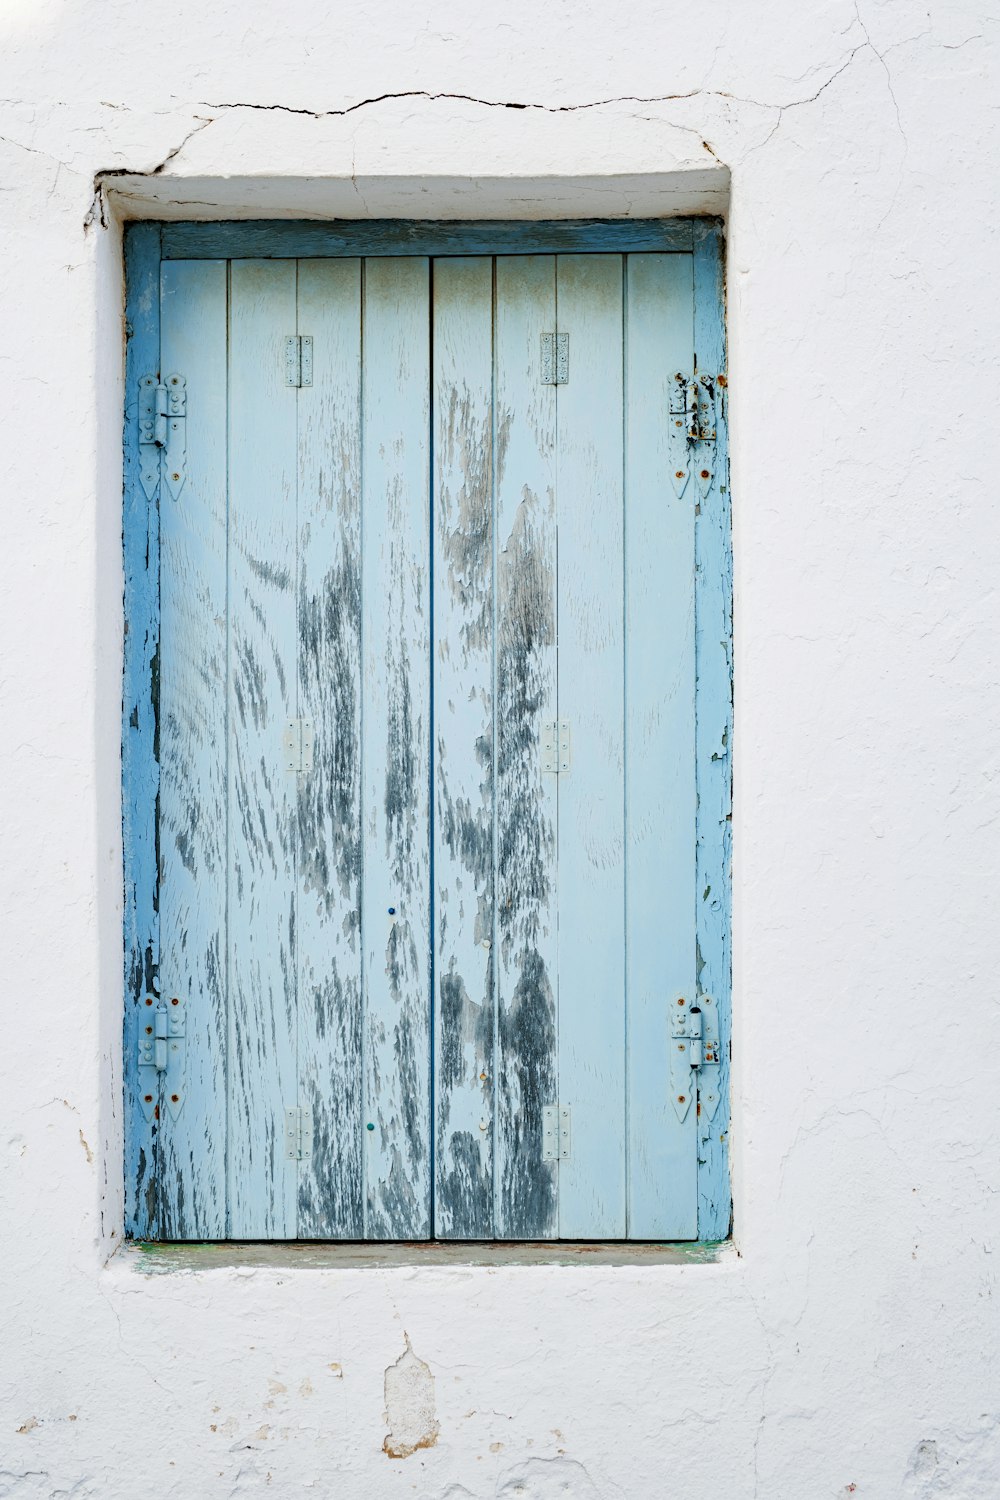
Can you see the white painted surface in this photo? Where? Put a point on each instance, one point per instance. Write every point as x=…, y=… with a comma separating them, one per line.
x=851, y=1348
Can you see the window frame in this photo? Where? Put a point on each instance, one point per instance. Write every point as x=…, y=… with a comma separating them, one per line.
x=146, y=245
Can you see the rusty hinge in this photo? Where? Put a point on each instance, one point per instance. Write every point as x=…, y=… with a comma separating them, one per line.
x=694, y=1055
x=162, y=433
x=161, y=1054
x=692, y=429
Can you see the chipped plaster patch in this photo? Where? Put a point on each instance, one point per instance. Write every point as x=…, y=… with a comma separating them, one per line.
x=409, y=1405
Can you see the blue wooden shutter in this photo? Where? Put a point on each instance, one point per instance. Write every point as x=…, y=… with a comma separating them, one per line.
x=395, y=954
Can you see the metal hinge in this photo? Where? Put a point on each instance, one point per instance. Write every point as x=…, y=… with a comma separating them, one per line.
x=161, y=1054
x=298, y=1134
x=298, y=744
x=555, y=744
x=298, y=359
x=555, y=358
x=162, y=433
x=694, y=1055
x=691, y=430
x=555, y=1132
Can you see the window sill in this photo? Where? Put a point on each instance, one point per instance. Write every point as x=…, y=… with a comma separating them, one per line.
x=153, y=1259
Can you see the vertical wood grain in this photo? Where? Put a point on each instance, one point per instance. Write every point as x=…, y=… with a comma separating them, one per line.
x=525, y=696
x=463, y=745
x=592, y=1190
x=140, y=705
x=714, y=630
x=660, y=808
x=396, y=710
x=328, y=933
x=193, y=844
x=262, y=794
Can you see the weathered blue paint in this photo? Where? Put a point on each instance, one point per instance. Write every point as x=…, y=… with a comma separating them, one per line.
x=641, y=586
x=524, y=442
x=462, y=507
x=293, y=239
x=194, y=845
x=330, y=1009
x=660, y=801
x=396, y=749
x=140, y=749
x=714, y=698
x=592, y=857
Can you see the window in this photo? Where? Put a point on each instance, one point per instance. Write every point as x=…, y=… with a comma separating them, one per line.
x=426, y=732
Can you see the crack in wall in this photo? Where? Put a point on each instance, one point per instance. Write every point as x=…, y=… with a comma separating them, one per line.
x=224, y=106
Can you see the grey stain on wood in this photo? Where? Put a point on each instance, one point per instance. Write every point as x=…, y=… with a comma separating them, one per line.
x=526, y=850
x=463, y=529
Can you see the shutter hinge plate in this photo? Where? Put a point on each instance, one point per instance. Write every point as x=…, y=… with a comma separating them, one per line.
x=298, y=1134
x=161, y=1054
x=555, y=359
x=556, y=1140
x=694, y=1056
x=162, y=433
x=298, y=359
x=555, y=746
x=691, y=429
x=297, y=741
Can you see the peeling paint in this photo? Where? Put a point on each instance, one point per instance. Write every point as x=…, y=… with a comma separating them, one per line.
x=409, y=1406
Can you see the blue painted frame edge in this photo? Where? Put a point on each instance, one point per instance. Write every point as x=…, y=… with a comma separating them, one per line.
x=714, y=733
x=145, y=245
x=293, y=238
x=140, y=737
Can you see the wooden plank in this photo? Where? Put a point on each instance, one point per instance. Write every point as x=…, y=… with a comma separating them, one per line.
x=463, y=746
x=262, y=794
x=660, y=803
x=592, y=1195
x=525, y=697
x=396, y=936
x=714, y=579
x=140, y=705
x=191, y=1173
x=288, y=238
x=328, y=934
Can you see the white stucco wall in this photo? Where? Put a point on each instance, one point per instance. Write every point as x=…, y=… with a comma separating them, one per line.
x=848, y=1345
